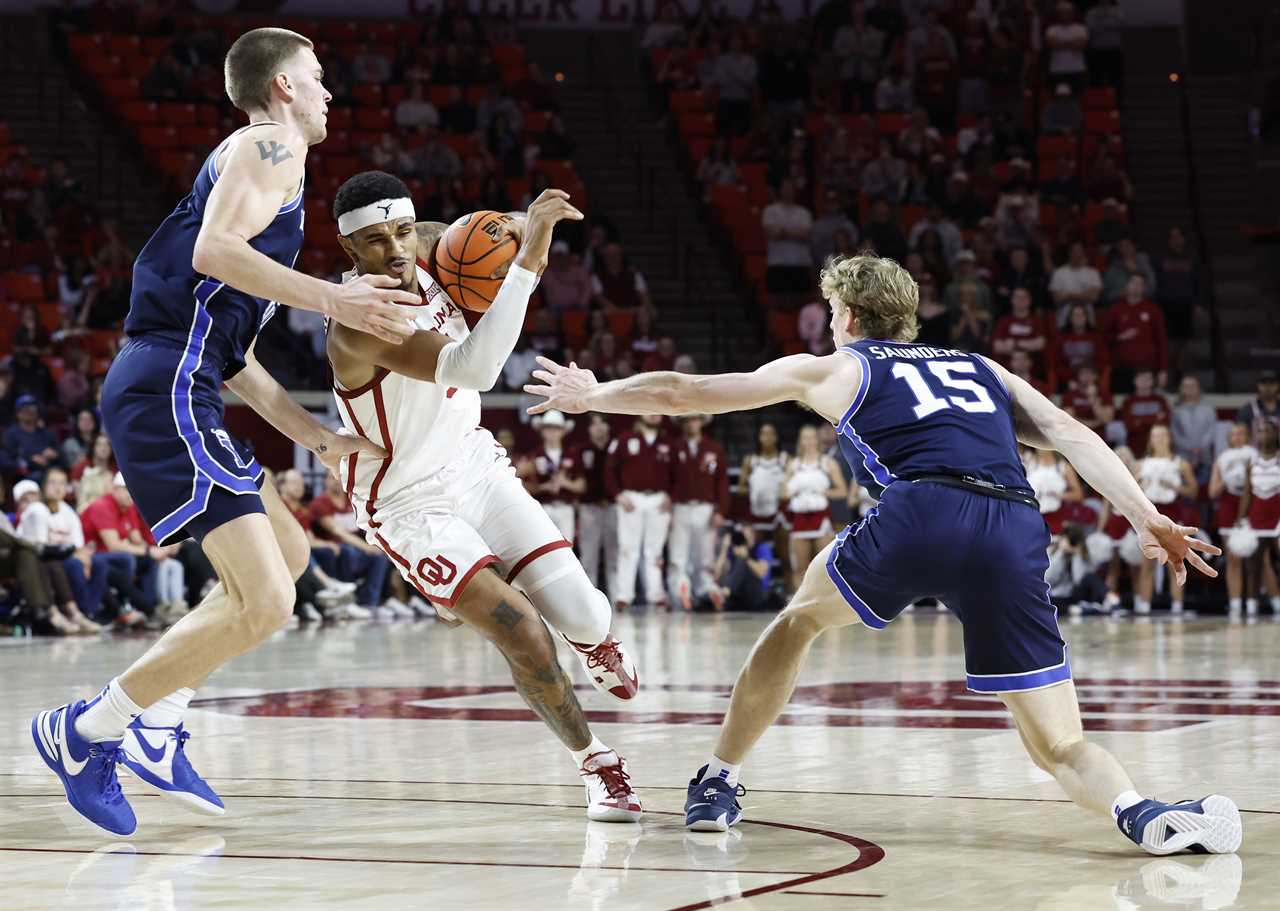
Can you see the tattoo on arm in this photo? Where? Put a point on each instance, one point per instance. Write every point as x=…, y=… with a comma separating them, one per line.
x=274, y=151
x=507, y=616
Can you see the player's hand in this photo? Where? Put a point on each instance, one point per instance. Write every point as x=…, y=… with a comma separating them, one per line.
x=1165, y=541
x=565, y=390
x=626, y=503
x=550, y=207
x=368, y=305
x=336, y=446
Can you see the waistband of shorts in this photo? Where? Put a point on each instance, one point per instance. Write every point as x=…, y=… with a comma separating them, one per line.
x=979, y=486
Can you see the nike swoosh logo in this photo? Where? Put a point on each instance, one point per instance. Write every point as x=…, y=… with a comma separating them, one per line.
x=72, y=765
x=155, y=755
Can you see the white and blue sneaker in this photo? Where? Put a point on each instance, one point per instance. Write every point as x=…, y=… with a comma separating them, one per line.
x=712, y=806
x=87, y=769
x=156, y=756
x=1210, y=825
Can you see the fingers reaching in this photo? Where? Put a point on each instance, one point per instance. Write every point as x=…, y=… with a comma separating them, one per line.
x=373, y=449
x=549, y=364
x=1194, y=559
x=540, y=407
x=544, y=391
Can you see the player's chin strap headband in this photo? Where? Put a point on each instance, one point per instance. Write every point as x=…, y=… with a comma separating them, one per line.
x=374, y=214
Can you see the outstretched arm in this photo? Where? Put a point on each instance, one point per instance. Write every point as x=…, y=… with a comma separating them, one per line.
x=1043, y=425
x=825, y=384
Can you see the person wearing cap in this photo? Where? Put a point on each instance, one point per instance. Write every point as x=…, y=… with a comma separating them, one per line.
x=78, y=578
x=566, y=283
x=700, y=497
x=1263, y=407
x=552, y=474
x=948, y=232
x=20, y=561
x=966, y=274
x=638, y=478
x=29, y=446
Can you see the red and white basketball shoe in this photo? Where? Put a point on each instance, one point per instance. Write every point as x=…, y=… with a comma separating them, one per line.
x=609, y=794
x=609, y=666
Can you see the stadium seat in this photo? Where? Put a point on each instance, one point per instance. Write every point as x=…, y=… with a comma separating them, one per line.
x=199, y=139
x=508, y=55
x=178, y=114
x=373, y=119
x=783, y=326
x=124, y=45
x=891, y=123
x=536, y=122
x=120, y=88
x=141, y=113
x=102, y=64
x=159, y=137
x=560, y=172
x=1105, y=122
x=137, y=66
x=1102, y=98
x=693, y=123
x=687, y=101
x=1051, y=148
x=517, y=188
x=24, y=287
x=910, y=215
x=367, y=94
x=728, y=196
x=754, y=267
x=340, y=118
x=84, y=45
x=155, y=45
x=395, y=94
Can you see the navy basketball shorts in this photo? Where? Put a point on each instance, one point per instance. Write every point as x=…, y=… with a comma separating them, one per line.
x=985, y=558
x=163, y=413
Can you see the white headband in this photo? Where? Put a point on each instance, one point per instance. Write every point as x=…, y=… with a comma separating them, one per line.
x=374, y=214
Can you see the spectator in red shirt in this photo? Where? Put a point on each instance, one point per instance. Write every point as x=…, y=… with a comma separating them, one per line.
x=113, y=526
x=292, y=488
x=1079, y=345
x=1141, y=411
x=1021, y=330
x=1087, y=399
x=638, y=477
x=700, y=491
x=664, y=358
x=333, y=519
x=1138, y=341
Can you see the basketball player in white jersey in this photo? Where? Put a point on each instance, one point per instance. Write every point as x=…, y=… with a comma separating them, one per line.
x=445, y=504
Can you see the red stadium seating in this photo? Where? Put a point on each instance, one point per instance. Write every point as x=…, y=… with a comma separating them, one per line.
x=141, y=113
x=1106, y=122
x=25, y=287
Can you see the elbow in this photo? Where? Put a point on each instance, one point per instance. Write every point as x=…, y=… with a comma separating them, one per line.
x=204, y=257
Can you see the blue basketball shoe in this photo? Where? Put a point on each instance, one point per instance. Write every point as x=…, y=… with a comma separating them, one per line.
x=1210, y=825
x=157, y=757
x=712, y=806
x=87, y=770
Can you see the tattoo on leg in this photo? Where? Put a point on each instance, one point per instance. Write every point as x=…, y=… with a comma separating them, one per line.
x=507, y=616
x=550, y=694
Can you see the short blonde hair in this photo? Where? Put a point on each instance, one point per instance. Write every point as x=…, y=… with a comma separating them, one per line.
x=253, y=63
x=881, y=294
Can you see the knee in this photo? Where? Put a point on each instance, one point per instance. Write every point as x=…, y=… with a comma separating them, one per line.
x=297, y=555
x=267, y=605
x=799, y=622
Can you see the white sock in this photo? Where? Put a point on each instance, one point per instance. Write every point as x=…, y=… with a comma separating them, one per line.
x=725, y=771
x=1124, y=802
x=1234, y=605
x=1275, y=604
x=1251, y=605
x=108, y=715
x=591, y=749
x=1141, y=604
x=167, y=713
x=1175, y=606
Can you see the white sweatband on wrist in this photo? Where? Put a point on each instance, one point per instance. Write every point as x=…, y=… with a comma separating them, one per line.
x=476, y=362
x=375, y=214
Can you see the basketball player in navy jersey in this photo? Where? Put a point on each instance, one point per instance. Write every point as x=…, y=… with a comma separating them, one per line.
x=203, y=286
x=934, y=434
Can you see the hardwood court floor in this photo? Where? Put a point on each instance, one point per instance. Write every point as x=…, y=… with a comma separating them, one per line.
x=392, y=767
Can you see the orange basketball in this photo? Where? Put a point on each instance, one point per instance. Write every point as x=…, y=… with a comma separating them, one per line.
x=467, y=256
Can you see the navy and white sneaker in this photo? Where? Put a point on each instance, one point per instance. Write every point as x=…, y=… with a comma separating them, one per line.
x=87, y=769
x=156, y=756
x=1210, y=825
x=712, y=806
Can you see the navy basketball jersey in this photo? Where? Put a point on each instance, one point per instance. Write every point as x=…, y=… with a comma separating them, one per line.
x=922, y=410
x=171, y=299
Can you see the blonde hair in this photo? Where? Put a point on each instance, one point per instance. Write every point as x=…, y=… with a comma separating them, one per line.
x=253, y=63
x=881, y=295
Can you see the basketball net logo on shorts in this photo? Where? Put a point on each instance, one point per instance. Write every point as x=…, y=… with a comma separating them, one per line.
x=225, y=440
x=437, y=571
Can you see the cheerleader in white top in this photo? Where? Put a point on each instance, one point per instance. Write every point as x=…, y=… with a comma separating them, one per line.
x=760, y=480
x=812, y=480
x=1260, y=504
x=1226, y=487
x=1165, y=479
x=1057, y=488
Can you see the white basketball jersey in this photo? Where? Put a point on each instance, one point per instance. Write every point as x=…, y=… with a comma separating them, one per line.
x=1264, y=477
x=1049, y=482
x=1231, y=467
x=421, y=425
x=764, y=484
x=1160, y=478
